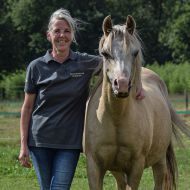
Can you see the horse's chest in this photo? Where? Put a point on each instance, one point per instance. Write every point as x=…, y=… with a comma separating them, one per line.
x=113, y=157
x=111, y=141
x=112, y=145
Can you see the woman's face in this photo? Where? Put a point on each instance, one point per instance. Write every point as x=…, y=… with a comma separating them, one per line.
x=60, y=36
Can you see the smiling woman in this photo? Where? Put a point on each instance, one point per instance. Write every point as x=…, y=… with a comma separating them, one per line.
x=52, y=115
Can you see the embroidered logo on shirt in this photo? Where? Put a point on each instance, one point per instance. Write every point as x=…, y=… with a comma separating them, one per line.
x=77, y=74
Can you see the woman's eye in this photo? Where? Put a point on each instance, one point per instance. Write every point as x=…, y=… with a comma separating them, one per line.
x=57, y=31
x=67, y=31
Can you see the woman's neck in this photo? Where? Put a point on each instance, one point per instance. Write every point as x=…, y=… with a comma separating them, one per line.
x=60, y=57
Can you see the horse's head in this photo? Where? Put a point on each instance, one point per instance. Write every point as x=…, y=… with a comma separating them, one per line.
x=121, y=51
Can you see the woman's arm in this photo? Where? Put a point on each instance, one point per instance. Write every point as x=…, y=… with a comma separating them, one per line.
x=26, y=112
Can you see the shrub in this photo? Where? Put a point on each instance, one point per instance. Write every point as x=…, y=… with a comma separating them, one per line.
x=175, y=76
x=12, y=85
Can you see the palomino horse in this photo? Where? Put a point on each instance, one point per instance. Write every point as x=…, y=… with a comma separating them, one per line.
x=122, y=134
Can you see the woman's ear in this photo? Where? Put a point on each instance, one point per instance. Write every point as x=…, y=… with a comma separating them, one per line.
x=48, y=36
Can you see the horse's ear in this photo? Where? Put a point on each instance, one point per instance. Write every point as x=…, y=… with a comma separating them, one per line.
x=130, y=24
x=107, y=25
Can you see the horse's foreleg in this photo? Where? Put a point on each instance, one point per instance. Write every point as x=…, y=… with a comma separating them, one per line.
x=159, y=172
x=135, y=173
x=121, y=180
x=95, y=174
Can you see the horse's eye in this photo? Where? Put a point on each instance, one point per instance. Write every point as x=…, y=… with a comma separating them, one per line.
x=106, y=55
x=136, y=52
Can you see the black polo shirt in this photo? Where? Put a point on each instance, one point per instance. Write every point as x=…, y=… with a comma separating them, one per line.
x=61, y=93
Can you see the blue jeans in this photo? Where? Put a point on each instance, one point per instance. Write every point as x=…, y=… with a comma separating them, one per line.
x=54, y=168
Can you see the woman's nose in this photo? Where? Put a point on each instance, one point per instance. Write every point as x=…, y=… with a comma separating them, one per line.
x=62, y=33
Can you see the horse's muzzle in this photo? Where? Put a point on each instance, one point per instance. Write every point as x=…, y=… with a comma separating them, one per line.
x=124, y=94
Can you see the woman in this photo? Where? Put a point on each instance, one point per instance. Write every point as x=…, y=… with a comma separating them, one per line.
x=52, y=115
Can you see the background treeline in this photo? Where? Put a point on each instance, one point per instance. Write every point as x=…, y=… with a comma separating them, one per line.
x=162, y=25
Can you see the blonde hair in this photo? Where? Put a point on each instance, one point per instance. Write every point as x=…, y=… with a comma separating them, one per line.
x=63, y=14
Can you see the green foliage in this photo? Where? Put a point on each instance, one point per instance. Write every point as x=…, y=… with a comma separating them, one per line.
x=9, y=38
x=163, y=28
x=12, y=85
x=175, y=76
x=176, y=34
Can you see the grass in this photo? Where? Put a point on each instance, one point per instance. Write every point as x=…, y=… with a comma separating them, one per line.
x=10, y=106
x=15, y=177
x=178, y=101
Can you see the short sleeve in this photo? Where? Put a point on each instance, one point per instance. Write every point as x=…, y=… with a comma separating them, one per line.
x=30, y=84
x=92, y=62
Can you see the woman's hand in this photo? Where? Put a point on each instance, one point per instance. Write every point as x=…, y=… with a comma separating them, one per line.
x=26, y=112
x=24, y=157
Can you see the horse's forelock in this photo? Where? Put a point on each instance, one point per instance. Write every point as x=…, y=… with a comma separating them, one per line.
x=121, y=32
x=117, y=31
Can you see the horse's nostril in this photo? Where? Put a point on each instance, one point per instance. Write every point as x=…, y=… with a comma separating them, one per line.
x=115, y=82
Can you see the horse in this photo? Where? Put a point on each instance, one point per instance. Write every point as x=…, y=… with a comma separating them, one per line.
x=124, y=135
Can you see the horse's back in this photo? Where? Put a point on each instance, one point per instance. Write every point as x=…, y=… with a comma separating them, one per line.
x=156, y=103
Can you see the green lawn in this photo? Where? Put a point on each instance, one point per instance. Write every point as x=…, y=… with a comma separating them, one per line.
x=15, y=177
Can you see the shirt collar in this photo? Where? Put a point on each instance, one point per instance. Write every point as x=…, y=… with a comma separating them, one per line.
x=48, y=57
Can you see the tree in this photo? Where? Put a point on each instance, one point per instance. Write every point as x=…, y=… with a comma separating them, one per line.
x=9, y=59
x=175, y=34
x=23, y=25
